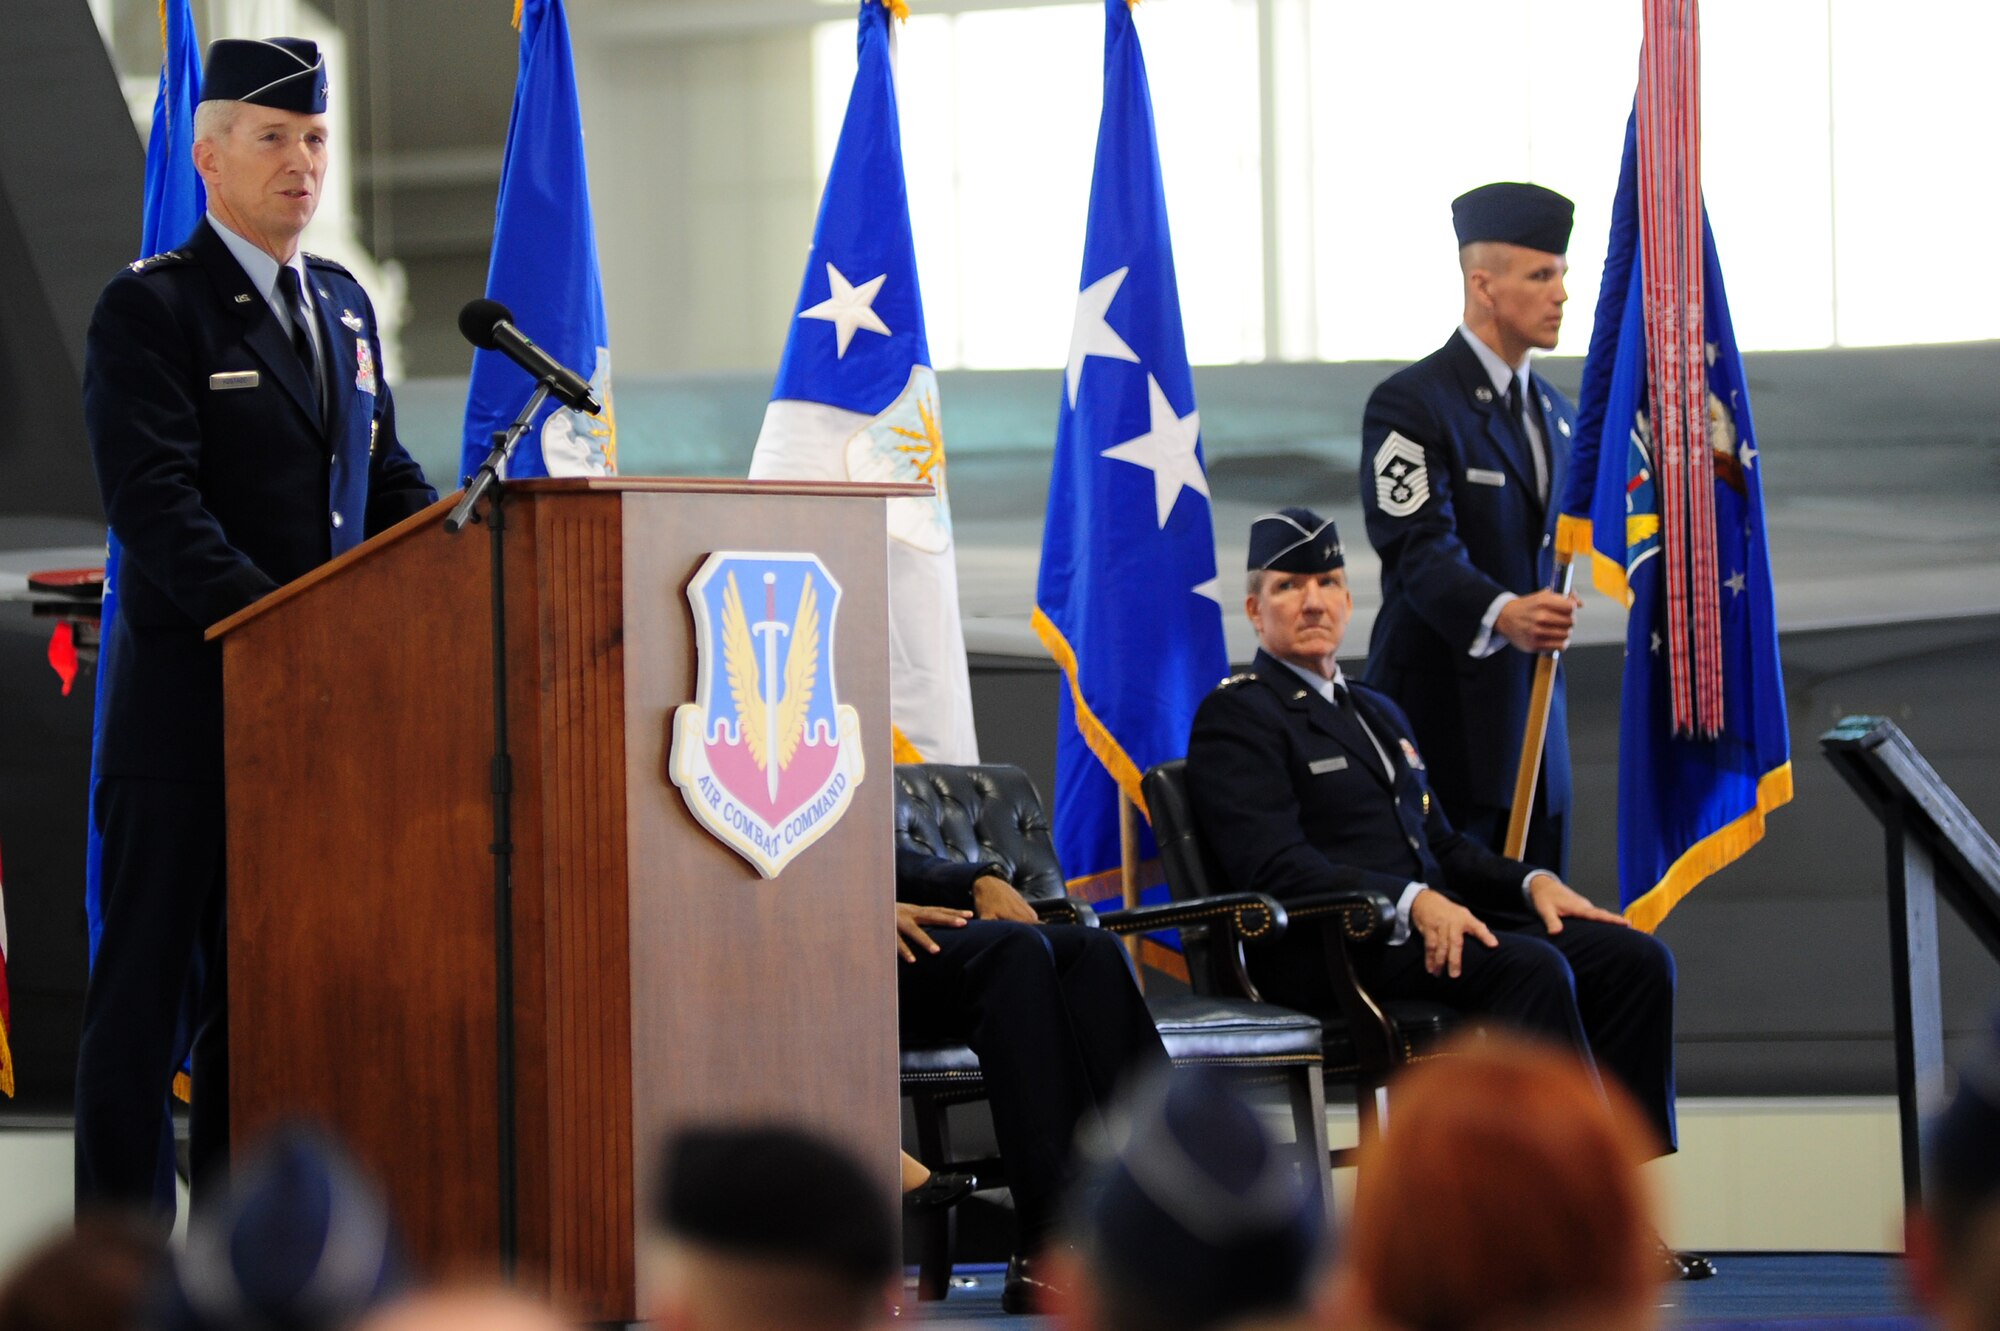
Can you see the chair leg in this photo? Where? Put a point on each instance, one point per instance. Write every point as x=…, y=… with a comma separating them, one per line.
x=934, y=1227
x=1368, y=1105
x=1308, y=1098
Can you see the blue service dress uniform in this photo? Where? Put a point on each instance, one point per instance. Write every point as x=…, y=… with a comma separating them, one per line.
x=1052, y=1012
x=1449, y=491
x=223, y=477
x=1298, y=796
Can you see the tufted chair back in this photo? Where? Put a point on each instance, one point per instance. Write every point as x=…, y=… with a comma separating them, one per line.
x=1192, y=870
x=986, y=812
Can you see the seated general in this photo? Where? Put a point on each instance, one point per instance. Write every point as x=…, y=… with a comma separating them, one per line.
x=1304, y=782
x=1050, y=1009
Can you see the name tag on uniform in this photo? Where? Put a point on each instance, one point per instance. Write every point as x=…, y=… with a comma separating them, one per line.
x=235, y=379
x=1325, y=765
x=1481, y=476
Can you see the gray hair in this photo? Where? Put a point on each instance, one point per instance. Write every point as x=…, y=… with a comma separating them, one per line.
x=214, y=119
x=1253, y=582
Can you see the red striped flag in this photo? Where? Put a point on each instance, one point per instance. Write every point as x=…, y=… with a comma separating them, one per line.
x=1670, y=237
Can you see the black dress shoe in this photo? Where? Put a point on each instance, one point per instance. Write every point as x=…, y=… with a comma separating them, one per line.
x=1694, y=1266
x=1027, y=1286
x=1684, y=1265
x=939, y=1191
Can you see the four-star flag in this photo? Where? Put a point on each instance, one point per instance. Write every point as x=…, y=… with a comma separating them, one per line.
x=1687, y=805
x=1127, y=601
x=544, y=268
x=856, y=400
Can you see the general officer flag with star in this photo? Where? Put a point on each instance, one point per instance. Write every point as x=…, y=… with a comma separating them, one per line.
x=174, y=203
x=1127, y=600
x=544, y=268
x=856, y=400
x=1687, y=806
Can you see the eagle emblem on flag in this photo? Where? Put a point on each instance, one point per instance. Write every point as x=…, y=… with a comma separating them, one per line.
x=767, y=757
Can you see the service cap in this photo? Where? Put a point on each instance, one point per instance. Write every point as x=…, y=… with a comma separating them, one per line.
x=285, y=73
x=1295, y=540
x=1516, y=213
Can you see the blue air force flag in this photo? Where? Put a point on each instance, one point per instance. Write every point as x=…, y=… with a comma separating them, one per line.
x=1686, y=806
x=174, y=203
x=544, y=268
x=856, y=400
x=1127, y=600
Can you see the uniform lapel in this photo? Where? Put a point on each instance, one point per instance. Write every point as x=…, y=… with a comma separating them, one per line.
x=1492, y=408
x=1321, y=715
x=267, y=339
x=340, y=363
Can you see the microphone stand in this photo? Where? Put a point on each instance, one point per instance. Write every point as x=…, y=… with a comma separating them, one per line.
x=502, y=787
x=489, y=470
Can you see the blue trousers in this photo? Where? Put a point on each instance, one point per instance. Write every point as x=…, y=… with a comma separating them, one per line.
x=162, y=945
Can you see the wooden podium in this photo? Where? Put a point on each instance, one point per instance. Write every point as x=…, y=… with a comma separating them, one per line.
x=657, y=979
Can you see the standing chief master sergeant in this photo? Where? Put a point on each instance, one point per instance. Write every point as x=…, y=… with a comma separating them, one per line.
x=1463, y=457
x=1303, y=783
x=242, y=435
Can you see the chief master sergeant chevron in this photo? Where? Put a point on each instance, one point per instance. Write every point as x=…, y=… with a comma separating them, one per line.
x=1462, y=463
x=242, y=435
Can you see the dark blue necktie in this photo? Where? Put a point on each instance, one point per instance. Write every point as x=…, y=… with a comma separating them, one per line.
x=295, y=304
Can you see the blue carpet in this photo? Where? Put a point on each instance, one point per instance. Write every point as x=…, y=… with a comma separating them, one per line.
x=1751, y=1292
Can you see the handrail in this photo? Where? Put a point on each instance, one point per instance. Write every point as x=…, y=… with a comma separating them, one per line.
x=1936, y=848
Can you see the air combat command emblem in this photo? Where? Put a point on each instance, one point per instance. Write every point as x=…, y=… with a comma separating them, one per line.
x=767, y=757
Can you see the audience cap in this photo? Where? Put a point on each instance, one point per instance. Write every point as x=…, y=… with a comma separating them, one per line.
x=1964, y=1158
x=299, y=1241
x=776, y=1193
x=1196, y=1211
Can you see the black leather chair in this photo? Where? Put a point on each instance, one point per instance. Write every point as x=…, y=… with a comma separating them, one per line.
x=993, y=812
x=1367, y=1039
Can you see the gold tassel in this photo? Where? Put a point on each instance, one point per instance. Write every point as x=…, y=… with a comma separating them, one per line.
x=900, y=748
x=184, y=1088
x=163, y=29
x=897, y=8
x=517, y=14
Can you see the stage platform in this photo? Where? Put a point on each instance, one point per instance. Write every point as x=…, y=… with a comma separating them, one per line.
x=1751, y=1291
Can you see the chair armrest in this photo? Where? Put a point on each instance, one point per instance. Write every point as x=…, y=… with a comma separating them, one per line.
x=1249, y=917
x=1065, y=910
x=1362, y=915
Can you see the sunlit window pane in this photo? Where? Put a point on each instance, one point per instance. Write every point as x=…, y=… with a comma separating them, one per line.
x=1413, y=105
x=1765, y=168
x=1914, y=184
x=999, y=116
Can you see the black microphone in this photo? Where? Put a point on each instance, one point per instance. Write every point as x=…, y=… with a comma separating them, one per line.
x=489, y=325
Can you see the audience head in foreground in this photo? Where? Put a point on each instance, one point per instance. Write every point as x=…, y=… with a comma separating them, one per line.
x=1954, y=1237
x=470, y=1308
x=1505, y=1195
x=299, y=1240
x=1193, y=1219
x=768, y=1228
x=93, y=1277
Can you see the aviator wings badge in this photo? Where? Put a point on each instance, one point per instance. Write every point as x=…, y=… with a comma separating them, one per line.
x=767, y=757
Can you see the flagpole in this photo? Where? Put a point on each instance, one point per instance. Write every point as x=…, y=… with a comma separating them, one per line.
x=1128, y=873
x=1535, y=737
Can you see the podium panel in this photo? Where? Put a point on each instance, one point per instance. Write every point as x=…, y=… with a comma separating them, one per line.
x=657, y=978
